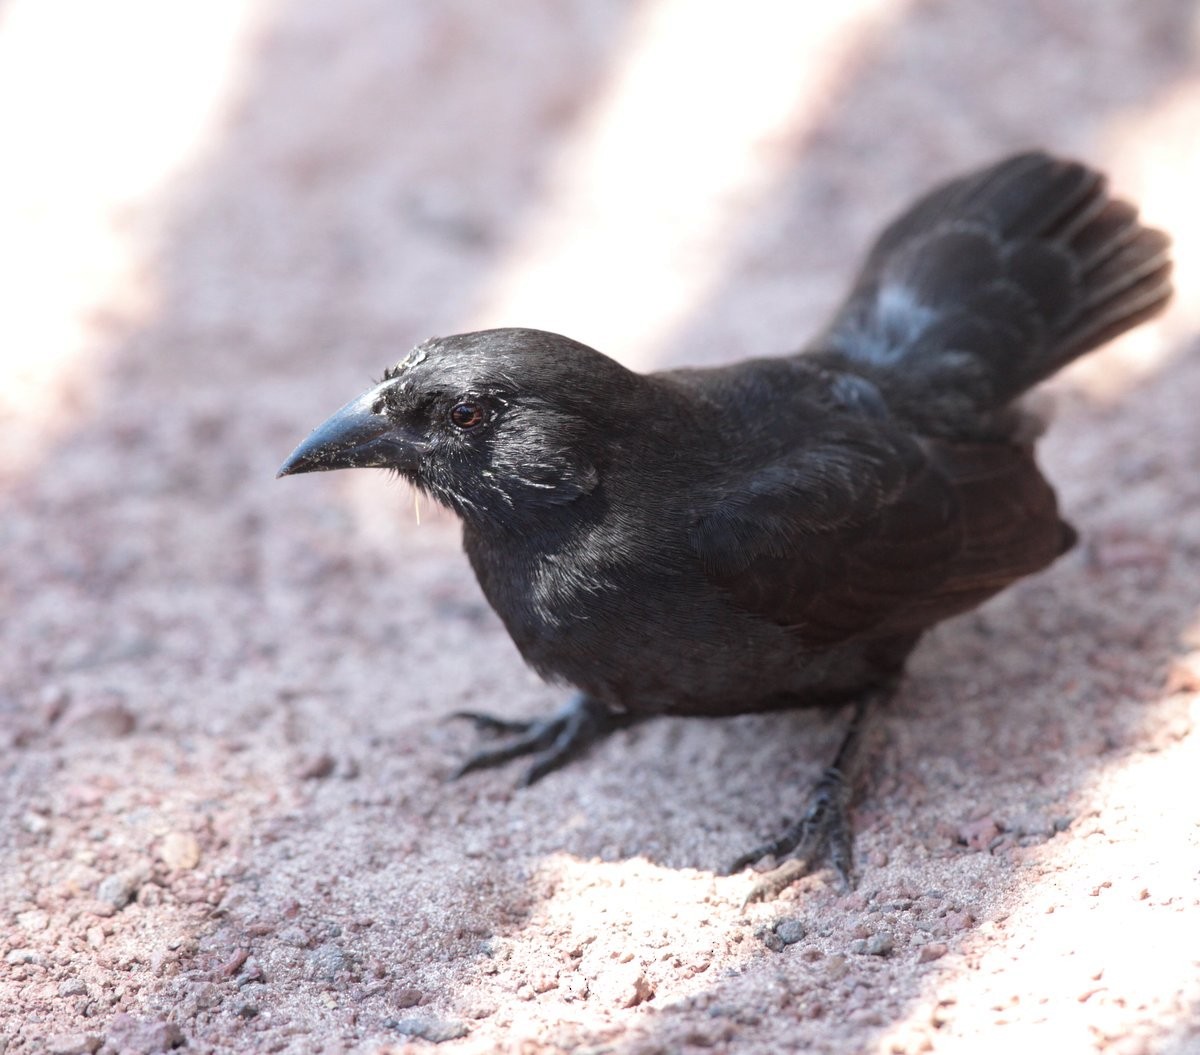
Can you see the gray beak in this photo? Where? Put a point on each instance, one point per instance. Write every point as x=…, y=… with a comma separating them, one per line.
x=356, y=437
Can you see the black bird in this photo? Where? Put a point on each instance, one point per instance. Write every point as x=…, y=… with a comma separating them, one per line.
x=778, y=532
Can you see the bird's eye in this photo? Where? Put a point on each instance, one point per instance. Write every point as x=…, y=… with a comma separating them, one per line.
x=466, y=415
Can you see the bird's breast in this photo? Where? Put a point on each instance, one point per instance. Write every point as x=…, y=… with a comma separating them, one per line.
x=641, y=634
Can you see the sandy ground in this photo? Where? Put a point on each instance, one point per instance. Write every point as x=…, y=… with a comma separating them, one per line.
x=224, y=819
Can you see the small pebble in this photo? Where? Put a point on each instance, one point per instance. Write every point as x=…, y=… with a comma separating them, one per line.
x=72, y=1044
x=1184, y=674
x=790, y=931
x=35, y=823
x=878, y=944
x=326, y=961
x=232, y=965
x=1030, y=825
x=117, y=890
x=624, y=986
x=643, y=990
x=103, y=716
x=769, y=938
x=53, y=701
x=434, y=1030
x=836, y=967
x=205, y=995
x=33, y=920
x=129, y=1034
x=959, y=921
x=317, y=767
x=179, y=851
x=407, y=997
x=251, y=974
x=978, y=834
x=295, y=936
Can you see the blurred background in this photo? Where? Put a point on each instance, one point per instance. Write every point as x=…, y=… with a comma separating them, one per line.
x=219, y=221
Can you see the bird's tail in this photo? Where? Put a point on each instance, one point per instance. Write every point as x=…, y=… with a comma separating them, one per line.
x=993, y=282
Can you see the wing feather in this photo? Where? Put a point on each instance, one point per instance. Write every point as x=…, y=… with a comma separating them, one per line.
x=886, y=536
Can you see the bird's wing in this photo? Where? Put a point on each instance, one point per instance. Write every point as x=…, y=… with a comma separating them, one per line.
x=883, y=536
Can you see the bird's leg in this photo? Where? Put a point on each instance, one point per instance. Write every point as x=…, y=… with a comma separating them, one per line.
x=552, y=741
x=823, y=829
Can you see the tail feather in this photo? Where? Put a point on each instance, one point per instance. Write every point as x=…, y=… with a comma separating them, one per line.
x=1101, y=229
x=992, y=283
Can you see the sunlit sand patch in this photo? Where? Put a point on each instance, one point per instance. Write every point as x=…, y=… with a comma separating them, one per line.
x=673, y=154
x=1101, y=946
x=101, y=107
x=1153, y=154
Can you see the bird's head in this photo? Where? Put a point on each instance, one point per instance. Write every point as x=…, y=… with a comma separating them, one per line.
x=496, y=425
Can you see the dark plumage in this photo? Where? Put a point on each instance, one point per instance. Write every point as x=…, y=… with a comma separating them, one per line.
x=778, y=532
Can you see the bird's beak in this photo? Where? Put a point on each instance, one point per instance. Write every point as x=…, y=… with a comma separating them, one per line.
x=356, y=437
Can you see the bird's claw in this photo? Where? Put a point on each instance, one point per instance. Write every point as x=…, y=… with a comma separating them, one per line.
x=489, y=723
x=552, y=741
x=823, y=831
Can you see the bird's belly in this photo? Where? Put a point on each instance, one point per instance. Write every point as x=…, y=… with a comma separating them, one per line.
x=695, y=659
x=642, y=636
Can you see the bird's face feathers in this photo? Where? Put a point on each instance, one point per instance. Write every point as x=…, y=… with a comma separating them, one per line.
x=483, y=448
x=496, y=425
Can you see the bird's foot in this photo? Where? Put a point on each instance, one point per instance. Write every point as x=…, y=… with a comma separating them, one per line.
x=552, y=741
x=822, y=832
